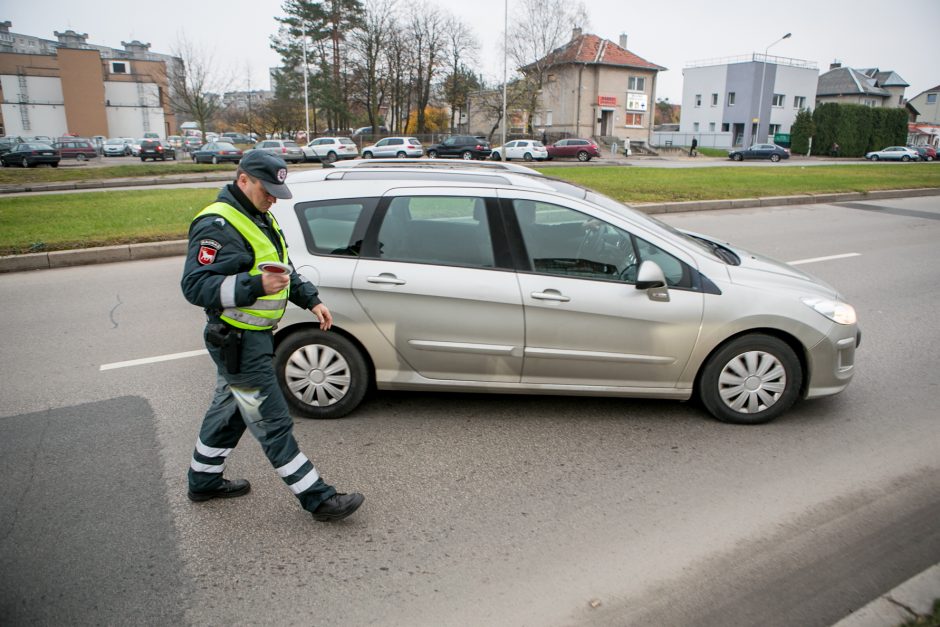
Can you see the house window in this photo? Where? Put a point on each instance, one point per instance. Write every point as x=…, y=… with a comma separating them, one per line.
x=725, y=127
x=698, y=100
x=869, y=103
x=636, y=83
x=799, y=102
x=774, y=129
x=730, y=98
x=714, y=100
x=695, y=127
x=931, y=98
x=778, y=100
x=711, y=127
x=548, y=118
x=633, y=119
x=119, y=67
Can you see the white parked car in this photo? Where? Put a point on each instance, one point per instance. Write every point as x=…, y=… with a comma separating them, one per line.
x=397, y=147
x=525, y=149
x=330, y=149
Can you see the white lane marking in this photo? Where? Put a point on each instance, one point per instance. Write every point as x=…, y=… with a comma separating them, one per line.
x=152, y=360
x=800, y=262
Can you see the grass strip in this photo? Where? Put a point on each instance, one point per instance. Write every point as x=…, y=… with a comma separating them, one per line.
x=45, y=222
x=70, y=173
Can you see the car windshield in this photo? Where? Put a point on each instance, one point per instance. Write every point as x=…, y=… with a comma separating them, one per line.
x=115, y=142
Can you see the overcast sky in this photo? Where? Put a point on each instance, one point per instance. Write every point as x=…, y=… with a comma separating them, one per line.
x=899, y=36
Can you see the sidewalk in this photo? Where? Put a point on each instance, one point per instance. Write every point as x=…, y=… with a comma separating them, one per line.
x=912, y=599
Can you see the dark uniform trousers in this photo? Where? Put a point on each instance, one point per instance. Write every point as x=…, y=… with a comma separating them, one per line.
x=253, y=399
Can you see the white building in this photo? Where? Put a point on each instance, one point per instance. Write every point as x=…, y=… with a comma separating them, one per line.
x=741, y=101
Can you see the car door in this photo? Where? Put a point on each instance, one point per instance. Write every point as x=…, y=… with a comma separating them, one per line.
x=586, y=322
x=394, y=145
x=449, y=147
x=429, y=280
x=509, y=150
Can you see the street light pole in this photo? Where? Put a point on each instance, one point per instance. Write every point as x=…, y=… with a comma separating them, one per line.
x=760, y=100
x=303, y=30
x=505, y=52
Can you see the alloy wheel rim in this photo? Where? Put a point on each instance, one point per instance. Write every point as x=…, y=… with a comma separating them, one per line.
x=317, y=375
x=752, y=382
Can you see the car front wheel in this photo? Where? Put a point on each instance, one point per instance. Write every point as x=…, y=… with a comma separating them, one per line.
x=874, y=157
x=367, y=155
x=750, y=380
x=322, y=374
x=737, y=157
x=432, y=154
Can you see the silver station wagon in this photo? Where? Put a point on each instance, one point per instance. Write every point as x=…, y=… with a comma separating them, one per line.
x=474, y=277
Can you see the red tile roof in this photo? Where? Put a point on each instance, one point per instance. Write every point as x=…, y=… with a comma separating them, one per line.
x=592, y=49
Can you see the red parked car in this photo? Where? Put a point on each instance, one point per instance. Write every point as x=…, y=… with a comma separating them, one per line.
x=927, y=153
x=582, y=149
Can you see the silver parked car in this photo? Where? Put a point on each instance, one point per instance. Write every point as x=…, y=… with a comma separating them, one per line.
x=485, y=279
x=894, y=153
x=397, y=147
x=285, y=149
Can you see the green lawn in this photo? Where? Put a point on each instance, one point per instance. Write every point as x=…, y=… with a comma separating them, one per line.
x=44, y=222
x=73, y=172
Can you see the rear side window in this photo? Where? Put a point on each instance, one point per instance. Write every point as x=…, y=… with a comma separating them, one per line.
x=440, y=230
x=335, y=227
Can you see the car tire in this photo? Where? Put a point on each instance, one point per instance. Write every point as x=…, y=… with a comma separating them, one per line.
x=874, y=157
x=367, y=155
x=527, y=156
x=194, y=159
x=55, y=165
x=25, y=162
x=215, y=160
x=466, y=155
x=143, y=159
x=737, y=157
x=583, y=156
x=401, y=155
x=775, y=158
x=298, y=360
x=432, y=154
x=750, y=380
x=905, y=158
x=80, y=157
x=495, y=156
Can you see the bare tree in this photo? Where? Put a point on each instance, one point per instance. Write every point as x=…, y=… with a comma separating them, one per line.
x=541, y=26
x=370, y=66
x=489, y=103
x=399, y=57
x=195, y=88
x=461, y=46
x=427, y=24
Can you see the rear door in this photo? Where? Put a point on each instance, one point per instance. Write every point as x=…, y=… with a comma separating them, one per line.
x=435, y=286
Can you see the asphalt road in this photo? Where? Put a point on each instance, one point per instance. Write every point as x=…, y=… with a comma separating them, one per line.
x=480, y=510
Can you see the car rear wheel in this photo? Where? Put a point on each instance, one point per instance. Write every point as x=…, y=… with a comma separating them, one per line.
x=331, y=157
x=750, y=380
x=584, y=156
x=775, y=158
x=80, y=157
x=466, y=155
x=322, y=374
x=401, y=154
x=55, y=165
x=367, y=155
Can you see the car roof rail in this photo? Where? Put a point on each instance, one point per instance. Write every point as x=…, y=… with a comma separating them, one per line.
x=437, y=164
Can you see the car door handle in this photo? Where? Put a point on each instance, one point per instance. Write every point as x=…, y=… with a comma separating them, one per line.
x=550, y=295
x=386, y=279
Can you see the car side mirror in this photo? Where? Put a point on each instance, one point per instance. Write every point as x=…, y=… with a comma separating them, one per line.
x=651, y=278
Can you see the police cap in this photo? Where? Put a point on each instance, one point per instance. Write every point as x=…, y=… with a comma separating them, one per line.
x=270, y=169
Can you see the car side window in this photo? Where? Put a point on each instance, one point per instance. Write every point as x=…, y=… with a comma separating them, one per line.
x=335, y=227
x=441, y=230
x=395, y=142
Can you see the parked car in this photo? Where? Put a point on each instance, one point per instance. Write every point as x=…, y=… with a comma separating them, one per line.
x=582, y=149
x=370, y=130
x=176, y=141
x=236, y=138
x=7, y=143
x=760, y=151
x=192, y=143
x=115, y=147
x=596, y=298
x=525, y=149
x=42, y=139
x=31, y=154
x=330, y=149
x=893, y=153
x=156, y=149
x=135, y=147
x=217, y=152
x=397, y=147
x=926, y=153
x=75, y=148
x=463, y=146
x=284, y=148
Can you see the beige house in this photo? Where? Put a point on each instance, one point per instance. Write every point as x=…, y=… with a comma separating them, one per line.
x=927, y=105
x=870, y=87
x=596, y=88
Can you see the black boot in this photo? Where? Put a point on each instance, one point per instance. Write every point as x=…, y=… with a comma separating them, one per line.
x=338, y=506
x=228, y=490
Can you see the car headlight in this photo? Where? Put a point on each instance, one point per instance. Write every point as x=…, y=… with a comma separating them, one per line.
x=837, y=311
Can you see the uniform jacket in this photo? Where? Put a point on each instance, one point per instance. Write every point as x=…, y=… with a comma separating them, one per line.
x=217, y=250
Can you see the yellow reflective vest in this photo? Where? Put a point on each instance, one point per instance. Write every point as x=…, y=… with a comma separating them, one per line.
x=266, y=312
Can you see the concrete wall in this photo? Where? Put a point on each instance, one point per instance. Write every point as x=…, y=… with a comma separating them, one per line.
x=45, y=107
x=705, y=81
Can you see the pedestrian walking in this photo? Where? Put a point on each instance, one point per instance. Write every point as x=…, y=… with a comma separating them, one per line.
x=231, y=244
x=834, y=150
x=692, y=151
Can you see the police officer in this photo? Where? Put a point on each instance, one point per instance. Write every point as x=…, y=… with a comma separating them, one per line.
x=227, y=241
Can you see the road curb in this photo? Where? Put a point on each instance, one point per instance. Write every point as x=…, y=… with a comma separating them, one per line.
x=150, y=250
x=911, y=599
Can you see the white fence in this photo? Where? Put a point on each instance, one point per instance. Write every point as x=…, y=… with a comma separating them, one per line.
x=705, y=140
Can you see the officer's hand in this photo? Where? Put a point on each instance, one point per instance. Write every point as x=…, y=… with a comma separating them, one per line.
x=326, y=318
x=274, y=283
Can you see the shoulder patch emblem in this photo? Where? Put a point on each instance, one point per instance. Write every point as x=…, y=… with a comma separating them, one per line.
x=207, y=251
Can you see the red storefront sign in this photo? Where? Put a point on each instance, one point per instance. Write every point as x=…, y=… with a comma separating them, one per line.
x=607, y=101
